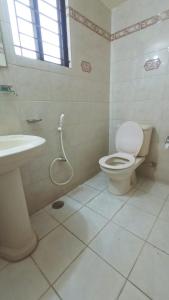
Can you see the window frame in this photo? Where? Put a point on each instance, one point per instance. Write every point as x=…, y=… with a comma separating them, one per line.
x=63, y=34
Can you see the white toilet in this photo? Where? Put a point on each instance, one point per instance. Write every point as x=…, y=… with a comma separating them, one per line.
x=132, y=143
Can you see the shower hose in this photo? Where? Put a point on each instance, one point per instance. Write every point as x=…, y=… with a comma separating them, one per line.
x=63, y=158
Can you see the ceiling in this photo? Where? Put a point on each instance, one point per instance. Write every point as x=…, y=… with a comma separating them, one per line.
x=112, y=3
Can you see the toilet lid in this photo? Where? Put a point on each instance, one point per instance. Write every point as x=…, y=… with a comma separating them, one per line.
x=129, y=138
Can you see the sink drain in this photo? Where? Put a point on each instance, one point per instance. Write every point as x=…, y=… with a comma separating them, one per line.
x=58, y=205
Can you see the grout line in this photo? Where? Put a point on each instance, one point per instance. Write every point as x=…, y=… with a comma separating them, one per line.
x=96, y=212
x=82, y=206
x=42, y=273
x=53, y=229
x=125, y=229
x=157, y=217
x=144, y=243
x=157, y=248
x=127, y=278
x=5, y=266
x=44, y=293
x=45, y=277
x=128, y=281
x=103, y=259
x=108, y=221
x=57, y=293
x=143, y=246
x=80, y=253
x=87, y=245
x=61, y=223
x=72, y=233
x=60, y=72
x=50, y=287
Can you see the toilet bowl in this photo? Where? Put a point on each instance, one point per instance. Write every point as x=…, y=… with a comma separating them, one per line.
x=132, y=143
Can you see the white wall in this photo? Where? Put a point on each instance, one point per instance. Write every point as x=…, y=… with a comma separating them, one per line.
x=47, y=90
x=134, y=93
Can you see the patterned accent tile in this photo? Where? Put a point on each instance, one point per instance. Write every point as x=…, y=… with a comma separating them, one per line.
x=165, y=15
x=149, y=22
x=152, y=64
x=140, y=25
x=74, y=14
x=77, y=16
x=127, y=31
x=86, y=66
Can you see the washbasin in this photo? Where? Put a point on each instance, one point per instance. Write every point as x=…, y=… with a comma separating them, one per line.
x=17, y=238
x=16, y=150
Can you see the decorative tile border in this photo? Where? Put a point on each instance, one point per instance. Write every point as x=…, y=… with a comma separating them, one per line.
x=74, y=14
x=78, y=17
x=140, y=25
x=152, y=64
x=86, y=66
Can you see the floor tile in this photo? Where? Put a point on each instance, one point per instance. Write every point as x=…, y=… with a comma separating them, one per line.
x=151, y=273
x=164, y=215
x=157, y=188
x=89, y=278
x=50, y=295
x=98, y=182
x=126, y=197
x=118, y=247
x=83, y=193
x=105, y=204
x=70, y=206
x=85, y=224
x=160, y=235
x=43, y=223
x=135, y=220
x=147, y=202
x=3, y=263
x=56, y=251
x=132, y=293
x=22, y=280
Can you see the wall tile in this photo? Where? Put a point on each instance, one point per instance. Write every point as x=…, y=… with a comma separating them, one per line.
x=134, y=93
x=46, y=90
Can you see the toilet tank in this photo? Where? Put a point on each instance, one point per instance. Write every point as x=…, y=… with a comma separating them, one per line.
x=147, y=131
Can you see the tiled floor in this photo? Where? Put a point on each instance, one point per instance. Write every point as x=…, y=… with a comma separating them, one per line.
x=98, y=246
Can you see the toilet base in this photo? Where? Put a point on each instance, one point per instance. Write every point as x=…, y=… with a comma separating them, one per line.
x=120, y=187
x=122, y=181
x=133, y=179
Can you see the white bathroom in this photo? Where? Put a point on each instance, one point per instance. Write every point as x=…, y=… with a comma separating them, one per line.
x=84, y=150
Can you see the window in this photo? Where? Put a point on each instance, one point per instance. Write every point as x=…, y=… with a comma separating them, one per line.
x=39, y=29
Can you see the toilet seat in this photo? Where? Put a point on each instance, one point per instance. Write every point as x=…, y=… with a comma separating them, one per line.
x=117, y=161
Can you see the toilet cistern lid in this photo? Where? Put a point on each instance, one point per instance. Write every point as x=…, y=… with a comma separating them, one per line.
x=129, y=138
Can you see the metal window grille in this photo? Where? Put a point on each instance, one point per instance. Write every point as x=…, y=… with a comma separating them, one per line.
x=39, y=29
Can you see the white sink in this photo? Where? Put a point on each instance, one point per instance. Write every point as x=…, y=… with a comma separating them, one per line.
x=17, y=239
x=16, y=150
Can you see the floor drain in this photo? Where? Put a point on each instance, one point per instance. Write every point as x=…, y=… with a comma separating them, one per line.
x=58, y=204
